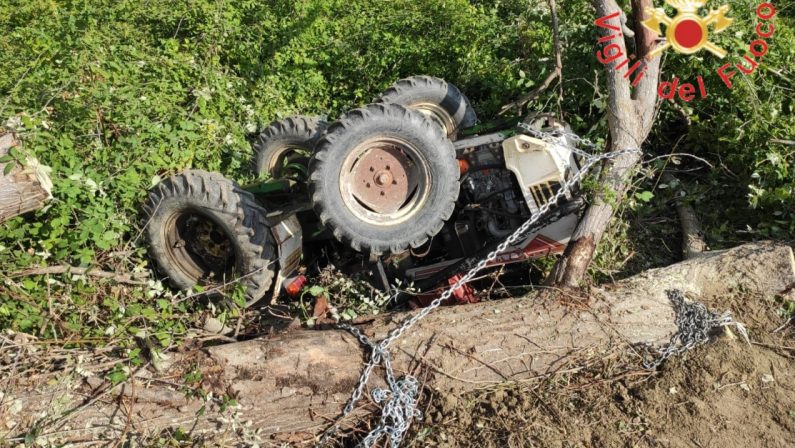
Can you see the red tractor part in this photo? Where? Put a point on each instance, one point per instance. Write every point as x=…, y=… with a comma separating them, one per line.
x=462, y=295
x=294, y=285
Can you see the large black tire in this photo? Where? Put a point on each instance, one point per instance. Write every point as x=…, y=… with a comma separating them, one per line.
x=289, y=140
x=435, y=97
x=377, y=135
x=204, y=229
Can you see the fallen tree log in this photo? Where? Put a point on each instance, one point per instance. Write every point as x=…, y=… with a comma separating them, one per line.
x=290, y=385
x=26, y=187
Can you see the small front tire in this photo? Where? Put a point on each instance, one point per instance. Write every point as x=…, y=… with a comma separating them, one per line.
x=285, y=143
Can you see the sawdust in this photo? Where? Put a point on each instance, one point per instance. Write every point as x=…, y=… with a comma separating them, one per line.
x=723, y=394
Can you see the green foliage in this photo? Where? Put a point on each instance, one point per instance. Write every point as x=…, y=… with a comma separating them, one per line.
x=787, y=308
x=748, y=191
x=347, y=297
x=115, y=95
x=117, y=375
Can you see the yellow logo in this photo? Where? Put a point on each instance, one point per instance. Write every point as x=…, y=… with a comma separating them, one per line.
x=687, y=32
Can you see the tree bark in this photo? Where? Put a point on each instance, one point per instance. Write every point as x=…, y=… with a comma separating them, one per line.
x=22, y=189
x=693, y=242
x=290, y=386
x=630, y=114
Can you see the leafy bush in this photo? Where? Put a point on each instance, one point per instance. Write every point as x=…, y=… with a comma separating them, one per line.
x=115, y=95
x=740, y=131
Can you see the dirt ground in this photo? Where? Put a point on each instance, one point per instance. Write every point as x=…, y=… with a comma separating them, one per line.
x=723, y=394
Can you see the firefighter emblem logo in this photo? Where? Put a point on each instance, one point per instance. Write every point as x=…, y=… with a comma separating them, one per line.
x=688, y=32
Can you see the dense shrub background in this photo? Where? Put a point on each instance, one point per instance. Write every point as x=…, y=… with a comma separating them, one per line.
x=116, y=94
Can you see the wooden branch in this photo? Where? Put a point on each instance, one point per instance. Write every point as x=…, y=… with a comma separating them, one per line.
x=292, y=385
x=645, y=39
x=618, y=87
x=553, y=8
x=23, y=189
x=130, y=279
x=693, y=242
x=530, y=95
x=645, y=92
x=630, y=115
x=556, y=73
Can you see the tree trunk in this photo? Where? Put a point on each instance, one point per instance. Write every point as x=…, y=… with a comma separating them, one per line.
x=290, y=386
x=24, y=188
x=693, y=242
x=630, y=115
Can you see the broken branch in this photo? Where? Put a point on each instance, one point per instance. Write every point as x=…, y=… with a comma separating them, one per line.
x=134, y=278
x=553, y=75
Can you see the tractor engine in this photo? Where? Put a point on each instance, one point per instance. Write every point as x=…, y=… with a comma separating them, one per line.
x=505, y=180
x=490, y=204
x=493, y=202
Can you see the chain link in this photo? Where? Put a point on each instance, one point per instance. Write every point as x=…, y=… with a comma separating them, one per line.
x=400, y=399
x=694, y=323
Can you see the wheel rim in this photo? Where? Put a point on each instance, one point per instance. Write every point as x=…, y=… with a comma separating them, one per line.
x=438, y=115
x=384, y=181
x=198, y=247
x=284, y=159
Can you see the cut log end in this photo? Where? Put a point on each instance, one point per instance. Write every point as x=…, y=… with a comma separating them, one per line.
x=24, y=188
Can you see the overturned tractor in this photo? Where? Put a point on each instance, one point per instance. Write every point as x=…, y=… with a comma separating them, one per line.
x=409, y=187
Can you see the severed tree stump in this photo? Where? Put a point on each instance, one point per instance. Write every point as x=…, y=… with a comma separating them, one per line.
x=25, y=188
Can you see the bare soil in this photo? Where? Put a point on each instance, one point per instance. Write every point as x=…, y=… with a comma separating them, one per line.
x=723, y=394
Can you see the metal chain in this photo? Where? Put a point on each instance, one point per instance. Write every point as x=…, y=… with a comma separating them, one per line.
x=400, y=399
x=694, y=323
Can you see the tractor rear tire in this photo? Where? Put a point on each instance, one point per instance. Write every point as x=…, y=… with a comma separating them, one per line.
x=286, y=141
x=384, y=178
x=435, y=97
x=204, y=229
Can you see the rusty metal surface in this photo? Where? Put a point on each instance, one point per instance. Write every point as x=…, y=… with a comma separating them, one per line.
x=383, y=178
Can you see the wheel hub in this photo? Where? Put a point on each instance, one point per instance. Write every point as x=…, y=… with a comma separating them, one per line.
x=383, y=179
x=200, y=247
x=436, y=113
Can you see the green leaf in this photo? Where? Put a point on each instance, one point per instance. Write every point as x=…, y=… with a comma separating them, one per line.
x=110, y=235
x=117, y=376
x=316, y=290
x=135, y=356
x=644, y=196
x=7, y=169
